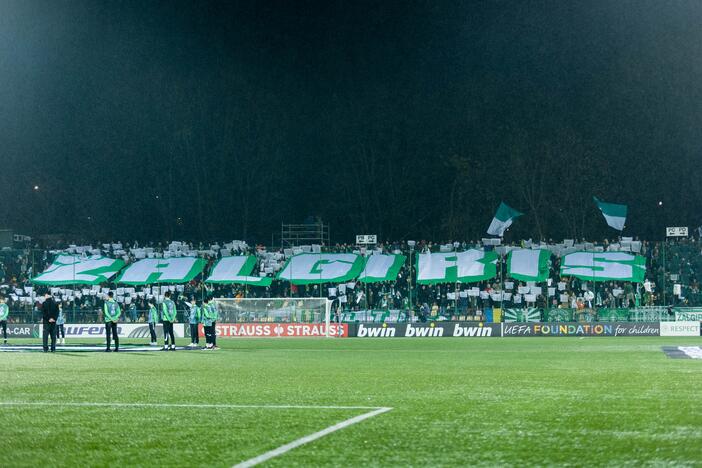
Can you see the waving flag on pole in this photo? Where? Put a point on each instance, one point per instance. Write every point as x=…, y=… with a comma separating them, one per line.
x=614, y=214
x=503, y=219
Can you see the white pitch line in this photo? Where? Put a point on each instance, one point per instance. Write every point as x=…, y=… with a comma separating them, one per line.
x=180, y=405
x=253, y=461
x=312, y=437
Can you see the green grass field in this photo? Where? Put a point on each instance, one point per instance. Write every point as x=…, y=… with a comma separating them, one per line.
x=512, y=401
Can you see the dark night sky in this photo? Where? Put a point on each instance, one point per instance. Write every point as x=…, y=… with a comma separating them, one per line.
x=210, y=120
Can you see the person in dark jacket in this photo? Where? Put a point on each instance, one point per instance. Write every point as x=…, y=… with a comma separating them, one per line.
x=50, y=311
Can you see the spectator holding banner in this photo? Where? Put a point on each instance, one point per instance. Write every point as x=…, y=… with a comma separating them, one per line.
x=111, y=312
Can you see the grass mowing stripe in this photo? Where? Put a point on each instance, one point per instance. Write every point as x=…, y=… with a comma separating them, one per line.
x=248, y=463
x=183, y=405
x=152, y=436
x=310, y=438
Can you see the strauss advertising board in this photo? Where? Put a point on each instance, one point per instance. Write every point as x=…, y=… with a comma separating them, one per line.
x=273, y=330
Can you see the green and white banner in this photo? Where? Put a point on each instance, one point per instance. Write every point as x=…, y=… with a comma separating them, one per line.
x=456, y=267
x=614, y=214
x=74, y=269
x=162, y=270
x=529, y=314
x=237, y=270
x=316, y=268
x=688, y=313
x=604, y=266
x=528, y=264
x=381, y=268
x=503, y=219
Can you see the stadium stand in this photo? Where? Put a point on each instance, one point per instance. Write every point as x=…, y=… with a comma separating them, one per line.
x=671, y=282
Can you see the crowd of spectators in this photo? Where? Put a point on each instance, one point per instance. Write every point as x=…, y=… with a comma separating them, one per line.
x=671, y=280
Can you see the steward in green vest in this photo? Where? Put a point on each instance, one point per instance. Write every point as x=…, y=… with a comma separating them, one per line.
x=211, y=315
x=195, y=319
x=152, y=320
x=168, y=316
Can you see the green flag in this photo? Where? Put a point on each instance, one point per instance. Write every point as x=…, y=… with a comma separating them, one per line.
x=614, y=214
x=503, y=219
x=530, y=314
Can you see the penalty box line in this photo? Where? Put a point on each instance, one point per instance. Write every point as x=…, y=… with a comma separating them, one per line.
x=310, y=438
x=375, y=411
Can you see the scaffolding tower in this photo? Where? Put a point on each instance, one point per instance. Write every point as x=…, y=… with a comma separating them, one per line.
x=294, y=235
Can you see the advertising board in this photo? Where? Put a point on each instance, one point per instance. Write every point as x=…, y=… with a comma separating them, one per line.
x=272, y=330
x=426, y=330
x=22, y=330
x=582, y=329
x=680, y=328
x=124, y=330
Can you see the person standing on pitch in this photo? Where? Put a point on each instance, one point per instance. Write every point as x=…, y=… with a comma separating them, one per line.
x=111, y=312
x=195, y=319
x=211, y=316
x=153, y=320
x=49, y=312
x=214, y=314
x=206, y=324
x=4, y=313
x=168, y=316
x=60, y=329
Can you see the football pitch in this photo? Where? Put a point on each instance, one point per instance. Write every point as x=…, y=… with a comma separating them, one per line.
x=355, y=402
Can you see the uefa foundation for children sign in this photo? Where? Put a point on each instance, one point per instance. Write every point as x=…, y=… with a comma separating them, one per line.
x=582, y=329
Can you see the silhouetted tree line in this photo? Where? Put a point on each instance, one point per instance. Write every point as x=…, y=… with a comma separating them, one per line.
x=222, y=121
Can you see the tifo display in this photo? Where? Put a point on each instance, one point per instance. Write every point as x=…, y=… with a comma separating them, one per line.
x=469, y=266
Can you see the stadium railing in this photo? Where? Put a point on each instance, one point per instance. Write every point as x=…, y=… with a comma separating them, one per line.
x=91, y=315
x=639, y=314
